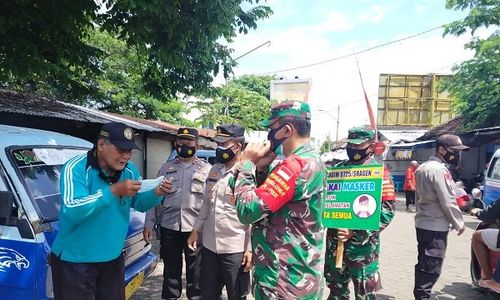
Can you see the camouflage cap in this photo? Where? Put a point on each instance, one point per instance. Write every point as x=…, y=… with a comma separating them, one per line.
x=283, y=109
x=358, y=135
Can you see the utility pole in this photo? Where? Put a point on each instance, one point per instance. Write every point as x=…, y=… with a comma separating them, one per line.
x=338, y=117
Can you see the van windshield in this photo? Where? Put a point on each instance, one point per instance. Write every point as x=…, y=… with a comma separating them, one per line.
x=40, y=169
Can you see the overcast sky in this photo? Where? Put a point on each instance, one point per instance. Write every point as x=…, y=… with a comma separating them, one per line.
x=303, y=32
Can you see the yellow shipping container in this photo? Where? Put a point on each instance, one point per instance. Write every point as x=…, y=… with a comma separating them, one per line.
x=413, y=100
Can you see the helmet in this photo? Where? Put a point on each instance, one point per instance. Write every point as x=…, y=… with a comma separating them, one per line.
x=476, y=193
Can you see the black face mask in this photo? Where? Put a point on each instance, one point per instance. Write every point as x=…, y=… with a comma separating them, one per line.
x=224, y=155
x=451, y=158
x=186, y=151
x=275, y=143
x=356, y=155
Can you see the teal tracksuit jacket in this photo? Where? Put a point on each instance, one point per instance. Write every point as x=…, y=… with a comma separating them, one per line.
x=93, y=221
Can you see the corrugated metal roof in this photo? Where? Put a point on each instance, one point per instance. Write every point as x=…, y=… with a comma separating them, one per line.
x=402, y=134
x=27, y=104
x=13, y=102
x=117, y=118
x=484, y=131
x=471, y=138
x=409, y=145
x=171, y=128
x=453, y=126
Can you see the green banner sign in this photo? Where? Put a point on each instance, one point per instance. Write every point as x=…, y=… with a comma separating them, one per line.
x=353, y=198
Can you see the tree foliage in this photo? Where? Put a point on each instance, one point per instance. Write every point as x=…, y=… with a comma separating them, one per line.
x=259, y=84
x=181, y=38
x=243, y=101
x=44, y=41
x=44, y=45
x=121, y=86
x=483, y=13
x=327, y=145
x=476, y=84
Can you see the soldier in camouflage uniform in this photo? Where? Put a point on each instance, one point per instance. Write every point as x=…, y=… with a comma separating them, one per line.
x=361, y=247
x=285, y=210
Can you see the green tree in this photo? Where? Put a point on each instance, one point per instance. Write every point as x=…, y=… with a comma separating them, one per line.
x=327, y=145
x=183, y=43
x=121, y=86
x=44, y=41
x=476, y=84
x=243, y=101
x=259, y=84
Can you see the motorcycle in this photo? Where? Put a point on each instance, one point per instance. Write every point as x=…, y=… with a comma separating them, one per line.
x=475, y=269
x=468, y=201
x=477, y=198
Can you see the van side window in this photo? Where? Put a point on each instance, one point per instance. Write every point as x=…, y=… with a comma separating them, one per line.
x=40, y=173
x=494, y=171
x=4, y=187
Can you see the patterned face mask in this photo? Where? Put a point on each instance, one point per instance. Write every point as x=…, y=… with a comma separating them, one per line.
x=357, y=154
x=224, y=154
x=185, y=151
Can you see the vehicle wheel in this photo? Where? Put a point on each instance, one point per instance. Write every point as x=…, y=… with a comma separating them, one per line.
x=475, y=269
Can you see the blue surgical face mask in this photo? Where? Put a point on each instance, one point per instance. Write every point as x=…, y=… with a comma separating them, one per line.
x=275, y=143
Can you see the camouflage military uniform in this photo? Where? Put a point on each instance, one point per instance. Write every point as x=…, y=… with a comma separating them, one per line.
x=287, y=244
x=287, y=239
x=361, y=252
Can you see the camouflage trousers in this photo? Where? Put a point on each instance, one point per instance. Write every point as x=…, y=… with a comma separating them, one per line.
x=266, y=293
x=360, y=264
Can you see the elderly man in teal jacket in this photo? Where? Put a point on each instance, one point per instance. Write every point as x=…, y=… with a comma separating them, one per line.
x=98, y=189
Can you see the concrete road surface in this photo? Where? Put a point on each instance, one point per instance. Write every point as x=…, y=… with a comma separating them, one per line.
x=398, y=257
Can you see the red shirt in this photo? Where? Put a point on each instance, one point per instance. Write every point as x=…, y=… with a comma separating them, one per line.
x=388, y=193
x=410, y=182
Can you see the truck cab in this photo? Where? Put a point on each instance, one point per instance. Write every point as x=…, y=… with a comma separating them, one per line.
x=30, y=166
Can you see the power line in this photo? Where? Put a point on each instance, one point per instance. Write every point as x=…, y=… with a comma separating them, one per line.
x=348, y=103
x=376, y=94
x=352, y=54
x=447, y=66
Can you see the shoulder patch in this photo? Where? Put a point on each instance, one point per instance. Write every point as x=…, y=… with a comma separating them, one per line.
x=279, y=186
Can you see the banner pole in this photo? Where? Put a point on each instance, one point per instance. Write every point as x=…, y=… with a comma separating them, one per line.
x=340, y=254
x=378, y=147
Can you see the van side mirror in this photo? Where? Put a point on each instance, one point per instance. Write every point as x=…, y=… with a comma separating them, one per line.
x=6, y=207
